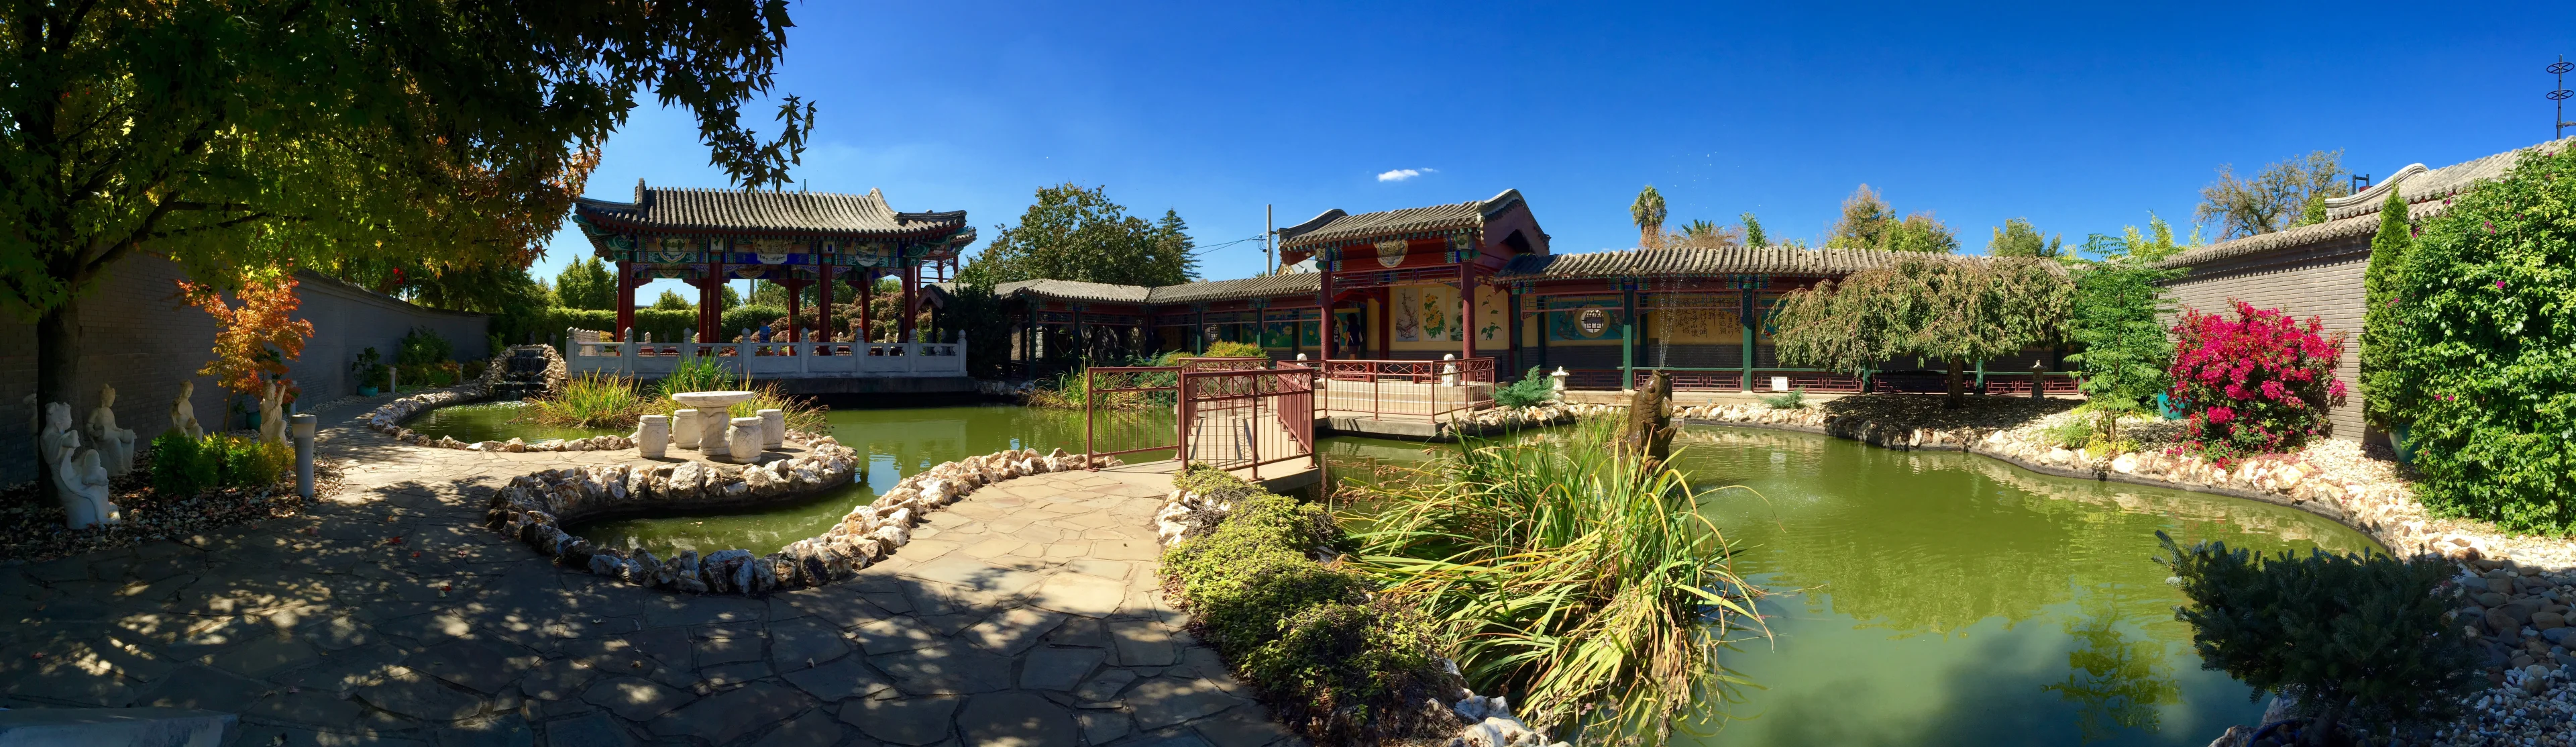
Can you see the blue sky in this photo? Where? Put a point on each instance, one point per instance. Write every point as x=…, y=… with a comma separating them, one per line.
x=2082, y=117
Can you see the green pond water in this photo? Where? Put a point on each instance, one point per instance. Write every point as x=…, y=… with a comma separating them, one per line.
x=1919, y=598
x=493, y=421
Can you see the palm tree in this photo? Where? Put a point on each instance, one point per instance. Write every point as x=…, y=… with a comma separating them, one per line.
x=1649, y=212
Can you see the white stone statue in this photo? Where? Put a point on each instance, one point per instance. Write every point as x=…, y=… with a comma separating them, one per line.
x=183, y=412
x=685, y=430
x=115, y=445
x=743, y=439
x=79, y=481
x=272, y=415
x=652, y=436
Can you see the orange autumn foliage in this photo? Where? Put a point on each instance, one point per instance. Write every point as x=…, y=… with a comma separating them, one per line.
x=258, y=337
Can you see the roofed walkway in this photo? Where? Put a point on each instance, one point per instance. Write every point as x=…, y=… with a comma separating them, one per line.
x=1025, y=613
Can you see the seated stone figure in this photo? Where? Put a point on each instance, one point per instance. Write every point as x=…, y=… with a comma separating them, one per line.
x=115, y=445
x=79, y=482
x=183, y=412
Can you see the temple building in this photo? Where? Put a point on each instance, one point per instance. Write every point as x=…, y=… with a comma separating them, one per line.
x=708, y=236
x=1477, y=281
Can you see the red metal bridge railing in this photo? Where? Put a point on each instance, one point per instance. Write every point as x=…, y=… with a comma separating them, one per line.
x=1405, y=389
x=1247, y=418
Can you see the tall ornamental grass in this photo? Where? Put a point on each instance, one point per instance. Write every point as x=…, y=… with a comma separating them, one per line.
x=1580, y=580
x=591, y=400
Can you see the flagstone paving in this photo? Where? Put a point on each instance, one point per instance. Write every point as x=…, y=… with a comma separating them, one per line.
x=1026, y=614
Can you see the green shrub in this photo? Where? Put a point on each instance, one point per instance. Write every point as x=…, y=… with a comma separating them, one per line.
x=1333, y=666
x=2072, y=433
x=1533, y=389
x=2482, y=346
x=2367, y=631
x=423, y=347
x=750, y=316
x=1789, y=400
x=2116, y=315
x=1226, y=349
x=591, y=400
x=179, y=470
x=248, y=463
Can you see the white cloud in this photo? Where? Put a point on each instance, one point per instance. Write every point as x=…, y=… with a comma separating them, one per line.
x=1403, y=174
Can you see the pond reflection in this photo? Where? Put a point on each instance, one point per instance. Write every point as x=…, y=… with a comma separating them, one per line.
x=1938, y=598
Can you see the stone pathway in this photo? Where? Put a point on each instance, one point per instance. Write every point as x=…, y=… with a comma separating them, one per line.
x=1026, y=614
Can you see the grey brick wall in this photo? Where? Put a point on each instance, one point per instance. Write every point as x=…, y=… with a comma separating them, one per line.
x=138, y=335
x=2321, y=280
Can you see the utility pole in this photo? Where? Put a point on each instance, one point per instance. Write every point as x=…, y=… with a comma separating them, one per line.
x=2560, y=95
x=1269, y=243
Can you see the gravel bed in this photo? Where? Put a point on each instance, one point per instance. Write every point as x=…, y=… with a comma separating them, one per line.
x=31, y=520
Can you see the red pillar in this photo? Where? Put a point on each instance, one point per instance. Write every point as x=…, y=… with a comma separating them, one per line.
x=823, y=297
x=795, y=303
x=911, y=301
x=1324, y=299
x=1467, y=310
x=1385, y=323
x=625, y=301
x=867, y=306
x=710, y=303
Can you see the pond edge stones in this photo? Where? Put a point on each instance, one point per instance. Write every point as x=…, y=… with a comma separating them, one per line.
x=533, y=508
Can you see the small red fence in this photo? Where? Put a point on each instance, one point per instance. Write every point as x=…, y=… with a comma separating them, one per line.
x=1232, y=413
x=1248, y=418
x=1427, y=390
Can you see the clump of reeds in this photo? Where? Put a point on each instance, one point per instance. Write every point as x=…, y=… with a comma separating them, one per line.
x=595, y=400
x=1068, y=390
x=591, y=400
x=1579, y=579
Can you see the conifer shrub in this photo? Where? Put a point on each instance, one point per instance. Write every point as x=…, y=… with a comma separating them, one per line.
x=2350, y=636
x=1330, y=663
x=2253, y=382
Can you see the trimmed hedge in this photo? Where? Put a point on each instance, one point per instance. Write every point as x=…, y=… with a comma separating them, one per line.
x=1332, y=664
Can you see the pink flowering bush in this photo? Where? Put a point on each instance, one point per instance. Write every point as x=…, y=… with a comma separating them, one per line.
x=2254, y=382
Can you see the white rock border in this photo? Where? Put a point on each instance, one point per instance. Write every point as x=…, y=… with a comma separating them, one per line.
x=534, y=507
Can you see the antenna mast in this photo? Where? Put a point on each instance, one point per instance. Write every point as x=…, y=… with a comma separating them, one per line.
x=2560, y=95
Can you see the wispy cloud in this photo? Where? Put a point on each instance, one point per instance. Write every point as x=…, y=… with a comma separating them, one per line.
x=1403, y=174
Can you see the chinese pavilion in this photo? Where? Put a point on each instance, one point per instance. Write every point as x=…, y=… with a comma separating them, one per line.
x=706, y=237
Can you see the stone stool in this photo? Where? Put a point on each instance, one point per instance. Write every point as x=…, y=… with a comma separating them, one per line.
x=743, y=439
x=773, y=427
x=684, y=429
x=652, y=435
x=712, y=440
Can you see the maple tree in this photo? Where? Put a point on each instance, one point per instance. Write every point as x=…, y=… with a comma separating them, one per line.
x=256, y=338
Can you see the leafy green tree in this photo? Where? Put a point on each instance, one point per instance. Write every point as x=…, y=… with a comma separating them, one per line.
x=2380, y=315
x=1957, y=309
x=1073, y=233
x=672, y=301
x=2483, y=344
x=1172, y=239
x=1921, y=232
x=1866, y=223
x=2274, y=199
x=2017, y=238
x=1753, y=236
x=587, y=284
x=259, y=133
x=2349, y=635
x=1649, y=213
x=2118, y=314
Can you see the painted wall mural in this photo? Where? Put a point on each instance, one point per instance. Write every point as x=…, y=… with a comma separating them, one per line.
x=1428, y=313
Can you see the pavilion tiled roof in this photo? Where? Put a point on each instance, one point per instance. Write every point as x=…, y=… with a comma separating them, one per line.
x=662, y=209
x=1210, y=291
x=1629, y=263
x=2357, y=215
x=1336, y=227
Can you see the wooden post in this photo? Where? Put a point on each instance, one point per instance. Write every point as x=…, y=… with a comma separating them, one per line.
x=625, y=300
x=1385, y=323
x=823, y=307
x=1324, y=300
x=1628, y=338
x=1744, y=311
x=867, y=308
x=795, y=301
